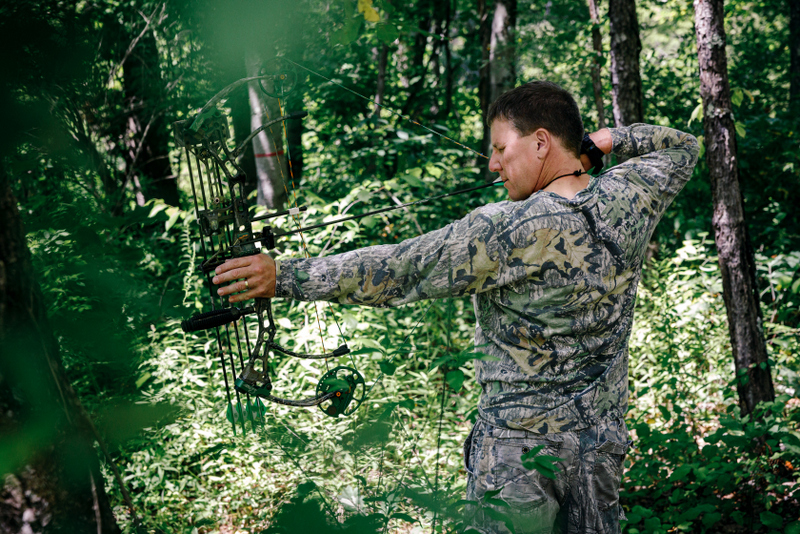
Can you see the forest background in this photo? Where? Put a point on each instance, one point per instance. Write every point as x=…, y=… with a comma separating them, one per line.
x=115, y=419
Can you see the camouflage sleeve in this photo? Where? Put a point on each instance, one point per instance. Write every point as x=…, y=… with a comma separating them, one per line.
x=468, y=256
x=661, y=159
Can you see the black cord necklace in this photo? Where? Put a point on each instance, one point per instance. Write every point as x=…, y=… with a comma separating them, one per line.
x=575, y=174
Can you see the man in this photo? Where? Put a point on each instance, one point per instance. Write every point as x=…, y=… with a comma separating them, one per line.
x=553, y=276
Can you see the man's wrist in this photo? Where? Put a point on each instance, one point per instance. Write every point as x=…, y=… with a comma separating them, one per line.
x=593, y=153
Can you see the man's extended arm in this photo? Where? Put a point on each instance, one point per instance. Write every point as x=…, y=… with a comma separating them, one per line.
x=462, y=258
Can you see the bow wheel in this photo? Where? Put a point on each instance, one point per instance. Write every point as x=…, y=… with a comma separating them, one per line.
x=278, y=78
x=349, y=387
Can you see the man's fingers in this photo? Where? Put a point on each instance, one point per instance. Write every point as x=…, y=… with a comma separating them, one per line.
x=234, y=274
x=234, y=263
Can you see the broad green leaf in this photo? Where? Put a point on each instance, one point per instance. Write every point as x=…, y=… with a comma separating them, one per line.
x=770, y=519
x=388, y=368
x=711, y=518
x=680, y=473
x=740, y=129
x=387, y=33
x=306, y=488
x=455, y=379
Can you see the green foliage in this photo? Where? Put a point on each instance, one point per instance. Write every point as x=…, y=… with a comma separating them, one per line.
x=696, y=464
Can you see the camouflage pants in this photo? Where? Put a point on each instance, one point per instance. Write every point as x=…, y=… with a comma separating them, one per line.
x=583, y=498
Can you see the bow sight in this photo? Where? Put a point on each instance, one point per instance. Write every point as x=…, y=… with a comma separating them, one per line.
x=226, y=232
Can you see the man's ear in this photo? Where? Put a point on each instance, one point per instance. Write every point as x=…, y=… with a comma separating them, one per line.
x=543, y=140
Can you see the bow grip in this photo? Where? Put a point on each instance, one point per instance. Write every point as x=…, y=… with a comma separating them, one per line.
x=204, y=321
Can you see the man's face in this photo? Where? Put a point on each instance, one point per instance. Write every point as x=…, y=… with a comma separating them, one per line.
x=516, y=158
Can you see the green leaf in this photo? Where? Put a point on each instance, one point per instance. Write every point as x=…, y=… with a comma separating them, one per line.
x=142, y=379
x=306, y=488
x=387, y=33
x=174, y=215
x=793, y=528
x=737, y=96
x=680, y=473
x=712, y=518
x=740, y=131
x=771, y=520
x=455, y=379
x=664, y=413
x=434, y=171
x=387, y=367
x=405, y=517
x=697, y=114
x=408, y=404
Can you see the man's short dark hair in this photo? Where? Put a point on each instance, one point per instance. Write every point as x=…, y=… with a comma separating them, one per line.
x=541, y=104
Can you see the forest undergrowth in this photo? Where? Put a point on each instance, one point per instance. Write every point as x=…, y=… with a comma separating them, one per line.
x=395, y=465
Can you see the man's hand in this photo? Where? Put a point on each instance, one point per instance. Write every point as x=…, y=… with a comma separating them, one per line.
x=603, y=140
x=252, y=277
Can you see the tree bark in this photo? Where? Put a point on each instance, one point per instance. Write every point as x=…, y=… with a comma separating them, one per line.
x=597, y=65
x=736, y=260
x=498, y=71
x=51, y=475
x=626, y=81
x=146, y=137
x=272, y=170
x=794, y=47
x=383, y=60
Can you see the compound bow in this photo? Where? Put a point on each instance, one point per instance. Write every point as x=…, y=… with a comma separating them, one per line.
x=226, y=231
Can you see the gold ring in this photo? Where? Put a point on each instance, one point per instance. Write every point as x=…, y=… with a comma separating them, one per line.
x=246, y=285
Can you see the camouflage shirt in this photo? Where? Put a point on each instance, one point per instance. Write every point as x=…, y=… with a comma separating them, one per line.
x=553, y=282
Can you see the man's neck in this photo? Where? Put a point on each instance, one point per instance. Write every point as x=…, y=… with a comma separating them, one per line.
x=555, y=181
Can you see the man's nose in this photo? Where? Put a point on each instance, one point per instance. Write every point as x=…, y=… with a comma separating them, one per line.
x=494, y=163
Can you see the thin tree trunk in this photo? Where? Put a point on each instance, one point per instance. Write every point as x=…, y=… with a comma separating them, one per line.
x=794, y=47
x=626, y=81
x=736, y=261
x=383, y=60
x=597, y=64
x=239, y=102
x=448, y=62
x=498, y=72
x=419, y=67
x=146, y=136
x=53, y=476
x=272, y=169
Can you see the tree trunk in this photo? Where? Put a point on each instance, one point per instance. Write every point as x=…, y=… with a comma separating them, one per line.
x=239, y=102
x=736, y=261
x=597, y=65
x=383, y=60
x=51, y=473
x=146, y=136
x=498, y=72
x=272, y=169
x=418, y=69
x=794, y=47
x=626, y=81
x=448, y=62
